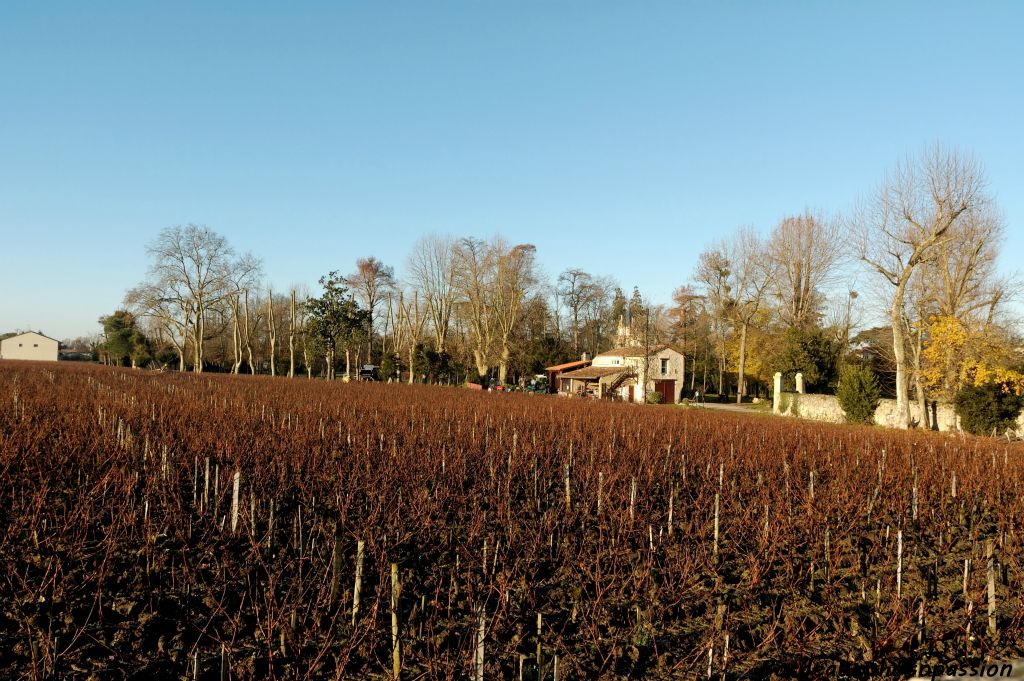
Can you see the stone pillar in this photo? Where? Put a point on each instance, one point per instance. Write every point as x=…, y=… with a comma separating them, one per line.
x=800, y=382
x=777, y=393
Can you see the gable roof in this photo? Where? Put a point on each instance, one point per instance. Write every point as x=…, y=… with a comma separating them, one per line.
x=625, y=351
x=635, y=351
x=32, y=333
x=590, y=373
x=569, y=365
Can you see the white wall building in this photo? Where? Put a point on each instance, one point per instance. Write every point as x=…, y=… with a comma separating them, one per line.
x=32, y=346
x=620, y=373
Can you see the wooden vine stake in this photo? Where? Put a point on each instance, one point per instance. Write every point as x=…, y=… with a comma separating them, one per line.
x=234, y=501
x=632, y=499
x=396, y=650
x=899, y=563
x=671, y=503
x=568, y=494
x=270, y=527
x=360, y=546
x=991, y=587
x=478, y=655
x=827, y=561
x=540, y=666
x=206, y=485
x=725, y=655
x=716, y=527
x=336, y=565
x=913, y=503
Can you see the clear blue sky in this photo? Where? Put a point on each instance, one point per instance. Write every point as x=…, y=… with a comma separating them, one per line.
x=620, y=137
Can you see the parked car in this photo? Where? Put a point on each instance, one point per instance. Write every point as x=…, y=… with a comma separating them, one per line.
x=537, y=384
x=369, y=372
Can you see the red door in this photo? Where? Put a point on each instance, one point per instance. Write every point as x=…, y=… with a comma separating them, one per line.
x=629, y=392
x=667, y=388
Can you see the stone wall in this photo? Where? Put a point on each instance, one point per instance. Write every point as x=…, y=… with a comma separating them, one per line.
x=826, y=408
x=814, y=407
x=944, y=415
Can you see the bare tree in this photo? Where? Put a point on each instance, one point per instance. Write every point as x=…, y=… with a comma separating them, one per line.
x=805, y=251
x=917, y=311
x=240, y=277
x=599, y=318
x=960, y=281
x=431, y=269
x=370, y=284
x=475, y=281
x=733, y=277
x=961, y=271
x=272, y=332
x=307, y=357
x=683, y=319
x=842, y=317
x=900, y=227
x=515, y=278
x=714, y=271
x=751, y=275
x=293, y=328
x=411, y=318
x=577, y=291
x=234, y=302
x=170, y=315
x=190, y=266
x=251, y=326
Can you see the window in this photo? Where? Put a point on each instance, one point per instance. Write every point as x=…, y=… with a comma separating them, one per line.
x=664, y=366
x=35, y=345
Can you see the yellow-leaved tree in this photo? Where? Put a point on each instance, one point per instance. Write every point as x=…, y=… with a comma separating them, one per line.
x=958, y=355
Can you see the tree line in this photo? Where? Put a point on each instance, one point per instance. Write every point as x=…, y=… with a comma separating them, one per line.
x=464, y=308
x=920, y=252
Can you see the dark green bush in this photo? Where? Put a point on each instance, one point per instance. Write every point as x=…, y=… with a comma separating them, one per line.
x=789, y=403
x=812, y=353
x=988, y=408
x=858, y=393
x=389, y=367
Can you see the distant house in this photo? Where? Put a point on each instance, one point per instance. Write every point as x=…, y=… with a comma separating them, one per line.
x=629, y=373
x=31, y=346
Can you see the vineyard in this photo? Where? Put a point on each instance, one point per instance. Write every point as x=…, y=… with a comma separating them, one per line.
x=181, y=526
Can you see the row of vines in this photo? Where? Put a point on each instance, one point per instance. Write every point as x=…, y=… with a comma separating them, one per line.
x=179, y=526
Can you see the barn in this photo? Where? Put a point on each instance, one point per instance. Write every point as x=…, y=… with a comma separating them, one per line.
x=31, y=346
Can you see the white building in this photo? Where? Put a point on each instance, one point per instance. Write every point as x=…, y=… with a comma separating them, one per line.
x=32, y=346
x=620, y=372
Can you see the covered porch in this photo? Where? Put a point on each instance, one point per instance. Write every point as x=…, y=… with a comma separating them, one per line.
x=597, y=382
x=559, y=369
